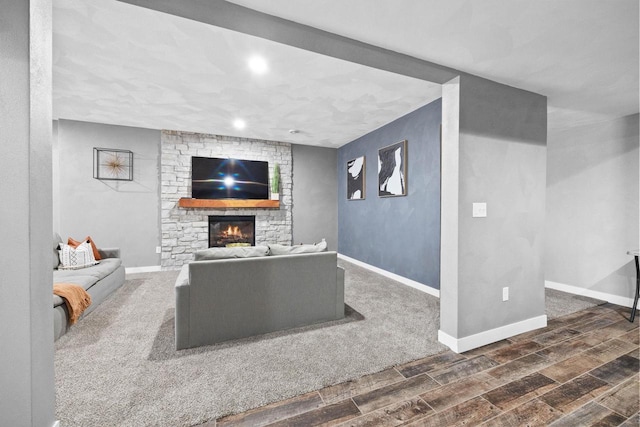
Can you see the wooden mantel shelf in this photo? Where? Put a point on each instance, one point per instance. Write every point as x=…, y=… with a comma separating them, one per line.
x=185, y=202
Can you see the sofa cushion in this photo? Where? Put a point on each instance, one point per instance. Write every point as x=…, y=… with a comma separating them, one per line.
x=183, y=277
x=75, y=258
x=85, y=281
x=89, y=275
x=109, y=253
x=276, y=249
x=235, y=252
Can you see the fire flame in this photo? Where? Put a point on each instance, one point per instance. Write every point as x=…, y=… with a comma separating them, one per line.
x=233, y=231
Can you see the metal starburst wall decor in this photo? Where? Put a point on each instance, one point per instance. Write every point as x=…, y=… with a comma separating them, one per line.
x=112, y=164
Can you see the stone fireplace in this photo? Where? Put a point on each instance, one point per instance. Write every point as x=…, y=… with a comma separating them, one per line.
x=187, y=230
x=232, y=230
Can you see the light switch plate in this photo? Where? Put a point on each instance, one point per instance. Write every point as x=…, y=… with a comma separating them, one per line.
x=479, y=210
x=158, y=249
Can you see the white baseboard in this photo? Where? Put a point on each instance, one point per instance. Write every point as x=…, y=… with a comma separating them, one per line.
x=56, y=424
x=613, y=299
x=460, y=345
x=412, y=283
x=148, y=269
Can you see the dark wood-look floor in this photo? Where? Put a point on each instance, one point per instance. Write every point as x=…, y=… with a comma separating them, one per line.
x=581, y=370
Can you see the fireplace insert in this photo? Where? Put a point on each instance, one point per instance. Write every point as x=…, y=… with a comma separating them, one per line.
x=226, y=230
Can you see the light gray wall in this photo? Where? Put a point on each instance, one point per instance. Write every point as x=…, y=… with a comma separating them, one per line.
x=315, y=195
x=592, y=206
x=27, y=395
x=501, y=161
x=55, y=172
x=124, y=214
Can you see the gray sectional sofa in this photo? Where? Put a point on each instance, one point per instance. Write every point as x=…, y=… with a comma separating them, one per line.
x=225, y=299
x=99, y=281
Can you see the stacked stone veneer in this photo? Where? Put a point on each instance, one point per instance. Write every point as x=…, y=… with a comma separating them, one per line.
x=185, y=230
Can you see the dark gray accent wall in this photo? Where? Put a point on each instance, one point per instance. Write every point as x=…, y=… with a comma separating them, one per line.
x=397, y=234
x=315, y=195
x=124, y=214
x=27, y=386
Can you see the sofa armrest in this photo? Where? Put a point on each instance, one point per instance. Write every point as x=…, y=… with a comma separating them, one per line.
x=109, y=252
x=340, y=293
x=182, y=289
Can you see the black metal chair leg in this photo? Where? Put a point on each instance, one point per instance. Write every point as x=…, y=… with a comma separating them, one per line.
x=635, y=300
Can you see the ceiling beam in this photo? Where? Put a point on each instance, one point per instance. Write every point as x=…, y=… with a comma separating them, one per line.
x=234, y=17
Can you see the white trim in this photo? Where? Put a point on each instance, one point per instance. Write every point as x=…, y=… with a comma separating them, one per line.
x=460, y=345
x=448, y=340
x=56, y=424
x=148, y=269
x=408, y=282
x=614, y=299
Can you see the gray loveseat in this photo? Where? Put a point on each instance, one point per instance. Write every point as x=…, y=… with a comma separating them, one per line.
x=99, y=281
x=226, y=299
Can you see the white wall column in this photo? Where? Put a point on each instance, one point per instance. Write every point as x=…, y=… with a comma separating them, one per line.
x=27, y=395
x=493, y=152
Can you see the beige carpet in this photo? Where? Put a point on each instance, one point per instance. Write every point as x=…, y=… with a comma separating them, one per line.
x=117, y=367
x=559, y=303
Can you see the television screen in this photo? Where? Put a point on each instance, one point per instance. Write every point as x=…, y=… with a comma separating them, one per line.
x=213, y=178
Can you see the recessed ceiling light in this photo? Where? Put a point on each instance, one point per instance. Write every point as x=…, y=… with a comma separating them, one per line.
x=258, y=65
x=239, y=124
x=293, y=131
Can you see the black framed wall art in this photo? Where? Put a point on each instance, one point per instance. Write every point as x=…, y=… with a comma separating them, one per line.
x=112, y=164
x=392, y=170
x=356, y=178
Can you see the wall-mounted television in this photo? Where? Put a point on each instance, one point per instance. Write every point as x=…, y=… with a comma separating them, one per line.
x=213, y=178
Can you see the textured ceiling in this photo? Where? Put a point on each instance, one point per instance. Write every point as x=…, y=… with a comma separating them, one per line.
x=120, y=64
x=581, y=54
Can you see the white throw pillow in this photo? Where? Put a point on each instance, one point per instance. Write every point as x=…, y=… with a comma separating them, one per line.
x=233, y=252
x=74, y=258
x=276, y=249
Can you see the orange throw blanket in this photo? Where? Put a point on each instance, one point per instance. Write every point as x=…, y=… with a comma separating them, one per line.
x=76, y=299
